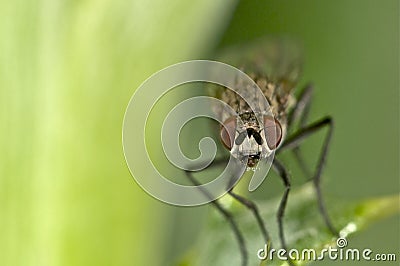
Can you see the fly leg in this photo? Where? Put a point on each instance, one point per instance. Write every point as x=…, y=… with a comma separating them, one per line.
x=226, y=214
x=253, y=207
x=295, y=140
x=301, y=111
x=283, y=173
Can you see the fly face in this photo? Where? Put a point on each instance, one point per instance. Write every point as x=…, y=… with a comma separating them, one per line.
x=249, y=140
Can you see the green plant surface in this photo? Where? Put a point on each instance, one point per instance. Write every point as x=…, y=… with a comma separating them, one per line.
x=67, y=72
x=304, y=228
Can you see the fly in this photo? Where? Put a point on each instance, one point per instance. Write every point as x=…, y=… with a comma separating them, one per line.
x=251, y=135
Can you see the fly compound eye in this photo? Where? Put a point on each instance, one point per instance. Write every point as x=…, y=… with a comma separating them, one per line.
x=228, y=132
x=272, y=131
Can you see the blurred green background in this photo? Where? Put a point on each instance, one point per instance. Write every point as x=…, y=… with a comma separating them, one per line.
x=69, y=68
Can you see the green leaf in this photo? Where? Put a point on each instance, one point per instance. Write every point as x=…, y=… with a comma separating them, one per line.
x=304, y=227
